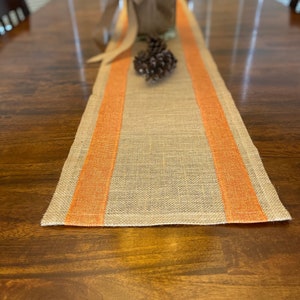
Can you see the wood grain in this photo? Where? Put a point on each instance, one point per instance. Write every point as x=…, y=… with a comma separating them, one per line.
x=45, y=84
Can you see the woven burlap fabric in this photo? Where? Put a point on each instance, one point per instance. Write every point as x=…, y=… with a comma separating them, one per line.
x=250, y=155
x=164, y=169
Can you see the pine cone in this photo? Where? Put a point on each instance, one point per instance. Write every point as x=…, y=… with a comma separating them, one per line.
x=140, y=62
x=156, y=62
x=160, y=65
x=156, y=45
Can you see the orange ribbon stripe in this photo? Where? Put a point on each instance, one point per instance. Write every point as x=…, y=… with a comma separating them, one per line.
x=91, y=193
x=239, y=197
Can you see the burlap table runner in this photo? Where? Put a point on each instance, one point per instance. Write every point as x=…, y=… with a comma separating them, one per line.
x=170, y=153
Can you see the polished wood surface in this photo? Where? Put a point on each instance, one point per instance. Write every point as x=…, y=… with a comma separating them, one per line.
x=44, y=88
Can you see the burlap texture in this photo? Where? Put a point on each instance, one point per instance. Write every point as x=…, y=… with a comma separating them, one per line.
x=164, y=169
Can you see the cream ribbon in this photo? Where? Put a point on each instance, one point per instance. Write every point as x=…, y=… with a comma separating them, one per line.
x=128, y=39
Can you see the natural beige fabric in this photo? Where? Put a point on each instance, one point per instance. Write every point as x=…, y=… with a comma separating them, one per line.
x=164, y=171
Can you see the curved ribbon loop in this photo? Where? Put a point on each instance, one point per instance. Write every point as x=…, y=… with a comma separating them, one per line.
x=127, y=41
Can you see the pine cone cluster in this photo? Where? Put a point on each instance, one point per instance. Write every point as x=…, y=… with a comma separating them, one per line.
x=156, y=62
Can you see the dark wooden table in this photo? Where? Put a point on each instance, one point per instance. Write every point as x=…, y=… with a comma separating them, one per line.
x=44, y=87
